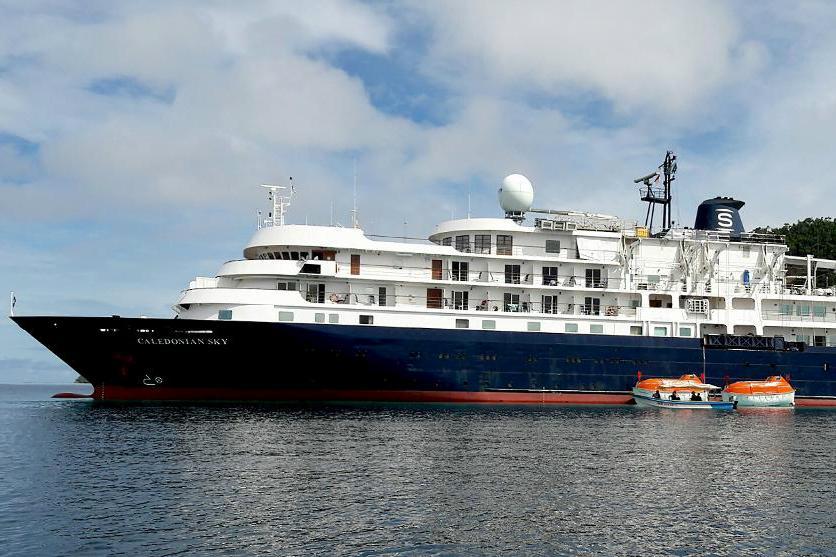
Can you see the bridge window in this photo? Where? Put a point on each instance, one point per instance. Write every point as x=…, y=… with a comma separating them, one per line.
x=463, y=243
x=311, y=269
x=482, y=243
x=504, y=244
x=448, y=241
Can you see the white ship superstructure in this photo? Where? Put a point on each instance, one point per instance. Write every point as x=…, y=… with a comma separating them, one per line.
x=566, y=272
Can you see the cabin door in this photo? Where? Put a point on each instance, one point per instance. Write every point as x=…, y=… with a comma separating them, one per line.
x=355, y=264
x=436, y=269
x=434, y=296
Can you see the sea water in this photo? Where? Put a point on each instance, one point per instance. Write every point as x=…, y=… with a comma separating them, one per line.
x=78, y=478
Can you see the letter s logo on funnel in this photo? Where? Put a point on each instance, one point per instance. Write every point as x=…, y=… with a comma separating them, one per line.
x=724, y=218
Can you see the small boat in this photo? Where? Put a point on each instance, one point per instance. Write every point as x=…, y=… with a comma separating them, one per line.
x=774, y=392
x=686, y=392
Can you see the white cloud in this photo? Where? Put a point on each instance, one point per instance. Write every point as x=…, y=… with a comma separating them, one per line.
x=652, y=54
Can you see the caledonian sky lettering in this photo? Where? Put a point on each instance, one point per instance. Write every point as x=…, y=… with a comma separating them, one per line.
x=178, y=341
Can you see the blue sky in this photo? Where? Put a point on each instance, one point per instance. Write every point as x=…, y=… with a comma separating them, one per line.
x=133, y=136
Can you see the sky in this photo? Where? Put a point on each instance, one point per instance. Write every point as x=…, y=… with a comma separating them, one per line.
x=134, y=135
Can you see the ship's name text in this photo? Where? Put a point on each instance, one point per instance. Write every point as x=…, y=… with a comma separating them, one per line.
x=177, y=341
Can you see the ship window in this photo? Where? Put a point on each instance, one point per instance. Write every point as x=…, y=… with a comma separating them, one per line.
x=819, y=341
x=367, y=319
x=460, y=300
x=460, y=269
x=803, y=338
x=786, y=309
x=463, y=243
x=316, y=294
x=593, y=278
x=534, y=326
x=592, y=306
x=685, y=332
x=550, y=276
x=660, y=331
x=381, y=296
x=488, y=324
x=311, y=269
x=333, y=318
x=294, y=255
x=462, y=323
x=225, y=314
x=285, y=316
x=549, y=304
x=571, y=327
x=286, y=255
x=512, y=302
x=803, y=310
x=552, y=246
x=319, y=317
x=448, y=241
x=818, y=311
x=596, y=328
x=303, y=255
x=270, y=255
x=482, y=243
x=636, y=330
x=504, y=244
x=289, y=285
x=512, y=274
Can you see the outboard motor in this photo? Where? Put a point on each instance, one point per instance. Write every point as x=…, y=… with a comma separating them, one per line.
x=720, y=214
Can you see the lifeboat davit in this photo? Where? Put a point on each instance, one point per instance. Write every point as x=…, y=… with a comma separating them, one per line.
x=775, y=391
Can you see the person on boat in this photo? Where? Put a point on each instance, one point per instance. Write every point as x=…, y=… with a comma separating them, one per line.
x=674, y=396
x=657, y=394
x=695, y=396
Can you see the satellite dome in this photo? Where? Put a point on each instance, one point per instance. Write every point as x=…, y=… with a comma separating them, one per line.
x=516, y=194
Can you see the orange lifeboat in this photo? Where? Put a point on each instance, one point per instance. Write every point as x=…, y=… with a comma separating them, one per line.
x=688, y=391
x=774, y=391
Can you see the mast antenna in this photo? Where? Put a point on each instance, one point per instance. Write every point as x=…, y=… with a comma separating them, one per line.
x=354, y=208
x=280, y=203
x=654, y=195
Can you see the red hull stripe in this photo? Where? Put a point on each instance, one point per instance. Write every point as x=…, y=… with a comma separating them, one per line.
x=108, y=392
x=816, y=402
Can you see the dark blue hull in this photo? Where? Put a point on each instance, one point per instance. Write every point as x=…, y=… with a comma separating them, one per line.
x=165, y=358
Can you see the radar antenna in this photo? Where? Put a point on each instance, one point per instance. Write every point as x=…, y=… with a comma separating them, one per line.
x=280, y=204
x=654, y=195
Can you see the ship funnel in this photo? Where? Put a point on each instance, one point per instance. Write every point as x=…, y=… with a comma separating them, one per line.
x=720, y=214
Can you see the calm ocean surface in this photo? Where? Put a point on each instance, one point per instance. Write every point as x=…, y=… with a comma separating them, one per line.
x=83, y=479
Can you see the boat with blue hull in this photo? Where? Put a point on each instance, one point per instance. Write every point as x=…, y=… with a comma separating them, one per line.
x=573, y=307
x=154, y=359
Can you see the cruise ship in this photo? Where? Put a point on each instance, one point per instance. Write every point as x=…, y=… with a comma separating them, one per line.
x=533, y=306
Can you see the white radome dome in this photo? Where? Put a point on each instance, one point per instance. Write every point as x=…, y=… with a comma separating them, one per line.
x=516, y=194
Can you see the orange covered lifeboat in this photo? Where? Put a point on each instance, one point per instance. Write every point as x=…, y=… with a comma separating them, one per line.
x=688, y=392
x=774, y=391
